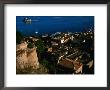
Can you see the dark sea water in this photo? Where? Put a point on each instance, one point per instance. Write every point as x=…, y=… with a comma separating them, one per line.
x=52, y=24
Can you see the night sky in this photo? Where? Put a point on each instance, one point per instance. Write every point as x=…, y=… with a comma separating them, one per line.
x=52, y=24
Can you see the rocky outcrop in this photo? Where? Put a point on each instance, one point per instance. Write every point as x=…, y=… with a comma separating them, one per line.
x=26, y=58
x=32, y=58
x=21, y=59
x=21, y=46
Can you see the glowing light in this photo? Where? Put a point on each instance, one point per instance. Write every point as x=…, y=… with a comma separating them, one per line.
x=36, y=32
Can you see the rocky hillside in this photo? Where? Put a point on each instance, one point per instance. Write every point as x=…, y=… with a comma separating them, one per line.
x=26, y=58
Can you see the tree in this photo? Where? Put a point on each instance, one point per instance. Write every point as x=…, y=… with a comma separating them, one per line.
x=19, y=37
x=30, y=45
x=40, y=46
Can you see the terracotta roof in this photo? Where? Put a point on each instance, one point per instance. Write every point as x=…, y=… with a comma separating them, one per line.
x=77, y=65
x=66, y=64
x=70, y=64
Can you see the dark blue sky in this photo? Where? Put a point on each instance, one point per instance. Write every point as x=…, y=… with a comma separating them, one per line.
x=52, y=24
